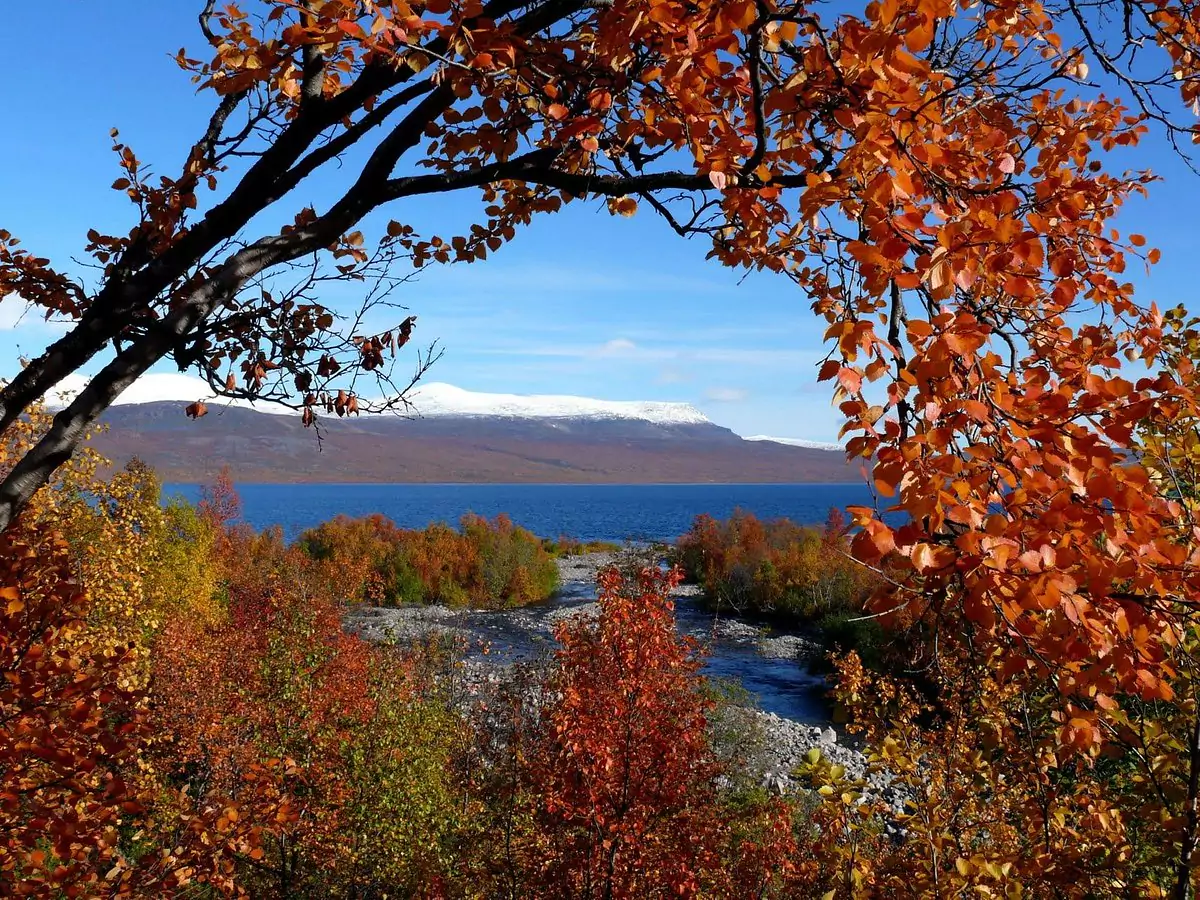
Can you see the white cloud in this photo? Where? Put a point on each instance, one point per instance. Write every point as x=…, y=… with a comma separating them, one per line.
x=725, y=395
x=672, y=376
x=617, y=347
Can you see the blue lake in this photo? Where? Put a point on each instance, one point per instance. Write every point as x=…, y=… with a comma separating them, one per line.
x=638, y=512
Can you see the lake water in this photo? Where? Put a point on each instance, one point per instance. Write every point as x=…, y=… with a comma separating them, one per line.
x=614, y=512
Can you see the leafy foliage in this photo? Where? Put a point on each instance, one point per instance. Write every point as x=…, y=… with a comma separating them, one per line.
x=776, y=569
x=71, y=726
x=565, y=546
x=485, y=564
x=352, y=741
x=606, y=783
x=623, y=772
x=932, y=175
x=930, y=165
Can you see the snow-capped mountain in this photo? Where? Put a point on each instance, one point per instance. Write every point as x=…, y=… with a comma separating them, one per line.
x=438, y=399
x=795, y=442
x=160, y=387
x=429, y=400
x=456, y=435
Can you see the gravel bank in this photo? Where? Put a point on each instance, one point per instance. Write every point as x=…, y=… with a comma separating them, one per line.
x=780, y=744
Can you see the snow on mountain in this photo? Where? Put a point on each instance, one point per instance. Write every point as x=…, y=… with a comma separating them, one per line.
x=795, y=442
x=433, y=399
x=158, y=387
x=438, y=399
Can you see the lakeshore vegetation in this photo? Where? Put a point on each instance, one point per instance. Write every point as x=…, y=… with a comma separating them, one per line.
x=484, y=564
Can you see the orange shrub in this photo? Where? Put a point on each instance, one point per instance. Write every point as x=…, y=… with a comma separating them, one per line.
x=69, y=726
x=619, y=779
x=485, y=563
x=775, y=568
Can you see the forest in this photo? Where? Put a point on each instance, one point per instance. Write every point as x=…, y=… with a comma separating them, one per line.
x=945, y=183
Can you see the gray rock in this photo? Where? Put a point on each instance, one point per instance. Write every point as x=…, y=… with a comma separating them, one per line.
x=790, y=646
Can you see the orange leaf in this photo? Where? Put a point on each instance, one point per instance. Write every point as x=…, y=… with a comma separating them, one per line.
x=850, y=379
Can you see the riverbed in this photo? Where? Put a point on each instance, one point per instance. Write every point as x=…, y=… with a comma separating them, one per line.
x=789, y=708
x=772, y=665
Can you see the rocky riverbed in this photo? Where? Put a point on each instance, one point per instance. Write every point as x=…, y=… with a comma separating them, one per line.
x=790, y=714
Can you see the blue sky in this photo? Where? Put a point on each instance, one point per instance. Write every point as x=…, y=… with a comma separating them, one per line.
x=581, y=303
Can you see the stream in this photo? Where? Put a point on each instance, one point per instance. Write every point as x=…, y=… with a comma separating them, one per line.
x=769, y=664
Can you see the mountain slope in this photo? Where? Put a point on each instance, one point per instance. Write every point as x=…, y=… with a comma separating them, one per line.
x=794, y=442
x=676, y=444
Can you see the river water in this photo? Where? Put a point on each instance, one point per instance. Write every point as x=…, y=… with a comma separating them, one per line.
x=764, y=663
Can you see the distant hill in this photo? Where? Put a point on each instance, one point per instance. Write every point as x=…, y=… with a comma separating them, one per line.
x=629, y=443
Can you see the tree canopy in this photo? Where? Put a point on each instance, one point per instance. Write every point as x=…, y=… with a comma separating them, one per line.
x=935, y=178
x=937, y=165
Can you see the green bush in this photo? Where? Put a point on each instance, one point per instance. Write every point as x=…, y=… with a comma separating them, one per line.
x=401, y=582
x=514, y=567
x=844, y=631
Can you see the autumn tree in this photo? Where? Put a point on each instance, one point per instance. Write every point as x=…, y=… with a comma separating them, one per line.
x=934, y=176
x=303, y=761
x=774, y=568
x=71, y=729
x=929, y=162
x=620, y=771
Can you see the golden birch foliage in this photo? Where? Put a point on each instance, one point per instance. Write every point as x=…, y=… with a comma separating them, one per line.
x=138, y=560
x=996, y=805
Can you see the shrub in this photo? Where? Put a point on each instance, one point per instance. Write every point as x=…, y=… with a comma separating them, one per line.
x=514, y=568
x=776, y=569
x=842, y=632
x=563, y=546
x=402, y=583
x=328, y=758
x=446, y=563
x=619, y=777
x=483, y=564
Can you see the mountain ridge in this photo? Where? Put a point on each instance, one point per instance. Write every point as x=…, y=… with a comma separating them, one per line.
x=452, y=448
x=431, y=399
